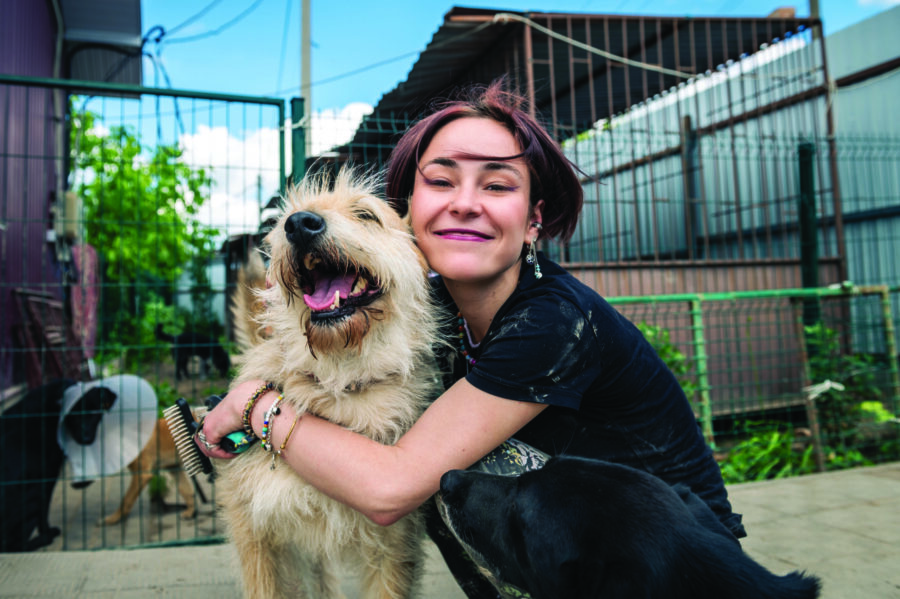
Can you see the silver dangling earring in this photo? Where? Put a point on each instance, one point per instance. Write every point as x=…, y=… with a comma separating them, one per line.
x=531, y=257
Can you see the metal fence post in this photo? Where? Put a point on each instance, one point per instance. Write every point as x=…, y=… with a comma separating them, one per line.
x=706, y=419
x=809, y=242
x=690, y=176
x=298, y=140
x=890, y=348
x=809, y=400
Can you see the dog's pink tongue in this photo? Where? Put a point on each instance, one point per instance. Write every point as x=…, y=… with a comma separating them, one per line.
x=323, y=296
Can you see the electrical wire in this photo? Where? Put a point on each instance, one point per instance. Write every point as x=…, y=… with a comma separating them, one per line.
x=284, y=37
x=190, y=20
x=220, y=29
x=381, y=63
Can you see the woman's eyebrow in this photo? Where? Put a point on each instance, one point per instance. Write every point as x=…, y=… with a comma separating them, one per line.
x=440, y=161
x=487, y=164
x=501, y=166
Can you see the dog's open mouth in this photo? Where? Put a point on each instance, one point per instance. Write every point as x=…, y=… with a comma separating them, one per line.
x=335, y=291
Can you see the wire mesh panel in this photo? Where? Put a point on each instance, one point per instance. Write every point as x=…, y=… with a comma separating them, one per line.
x=706, y=170
x=126, y=214
x=788, y=367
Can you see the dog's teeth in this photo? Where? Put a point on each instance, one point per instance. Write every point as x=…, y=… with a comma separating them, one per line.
x=337, y=300
x=359, y=286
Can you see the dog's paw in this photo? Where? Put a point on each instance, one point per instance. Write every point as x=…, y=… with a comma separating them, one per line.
x=188, y=514
x=43, y=539
x=112, y=519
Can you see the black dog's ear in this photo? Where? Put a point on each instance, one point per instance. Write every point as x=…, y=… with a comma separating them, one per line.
x=83, y=419
x=107, y=398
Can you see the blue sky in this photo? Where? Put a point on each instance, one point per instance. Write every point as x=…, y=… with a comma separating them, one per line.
x=362, y=49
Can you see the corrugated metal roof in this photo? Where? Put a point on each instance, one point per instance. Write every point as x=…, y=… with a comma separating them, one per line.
x=573, y=88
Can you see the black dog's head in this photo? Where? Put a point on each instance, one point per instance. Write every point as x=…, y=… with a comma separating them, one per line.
x=576, y=528
x=558, y=531
x=82, y=420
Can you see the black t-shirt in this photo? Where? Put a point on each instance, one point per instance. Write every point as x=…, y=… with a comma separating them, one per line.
x=610, y=396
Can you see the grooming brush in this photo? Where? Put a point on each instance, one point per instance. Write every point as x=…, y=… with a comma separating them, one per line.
x=184, y=428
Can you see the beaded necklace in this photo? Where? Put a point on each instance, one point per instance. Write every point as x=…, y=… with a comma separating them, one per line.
x=463, y=333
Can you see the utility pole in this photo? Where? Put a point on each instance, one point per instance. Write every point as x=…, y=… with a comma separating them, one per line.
x=814, y=14
x=305, y=68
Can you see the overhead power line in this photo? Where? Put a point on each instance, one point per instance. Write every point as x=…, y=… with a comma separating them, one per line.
x=218, y=30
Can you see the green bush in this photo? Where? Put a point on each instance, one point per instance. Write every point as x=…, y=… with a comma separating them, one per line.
x=674, y=358
x=767, y=454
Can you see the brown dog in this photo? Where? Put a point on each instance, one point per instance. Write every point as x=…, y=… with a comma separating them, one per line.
x=159, y=454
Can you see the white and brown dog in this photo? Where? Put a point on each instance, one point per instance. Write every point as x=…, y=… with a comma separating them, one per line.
x=349, y=334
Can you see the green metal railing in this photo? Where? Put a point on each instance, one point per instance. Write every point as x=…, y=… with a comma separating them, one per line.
x=698, y=305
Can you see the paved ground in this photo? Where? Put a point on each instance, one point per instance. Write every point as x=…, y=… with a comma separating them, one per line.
x=842, y=526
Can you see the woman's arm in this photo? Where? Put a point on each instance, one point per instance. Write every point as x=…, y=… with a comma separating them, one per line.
x=383, y=482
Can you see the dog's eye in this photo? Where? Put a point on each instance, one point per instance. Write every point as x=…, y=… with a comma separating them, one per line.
x=367, y=215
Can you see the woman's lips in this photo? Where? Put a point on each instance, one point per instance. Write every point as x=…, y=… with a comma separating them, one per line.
x=463, y=235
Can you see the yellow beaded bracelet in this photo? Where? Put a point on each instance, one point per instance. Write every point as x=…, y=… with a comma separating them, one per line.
x=248, y=409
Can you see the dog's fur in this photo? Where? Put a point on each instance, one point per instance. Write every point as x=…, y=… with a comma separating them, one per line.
x=159, y=454
x=246, y=305
x=190, y=343
x=32, y=458
x=581, y=529
x=366, y=365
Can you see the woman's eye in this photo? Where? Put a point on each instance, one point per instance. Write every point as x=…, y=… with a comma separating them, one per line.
x=500, y=187
x=437, y=182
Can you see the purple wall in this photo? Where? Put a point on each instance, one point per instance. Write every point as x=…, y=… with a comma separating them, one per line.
x=28, y=164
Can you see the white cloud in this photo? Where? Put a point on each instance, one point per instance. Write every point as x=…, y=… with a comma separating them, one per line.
x=332, y=127
x=245, y=171
x=245, y=174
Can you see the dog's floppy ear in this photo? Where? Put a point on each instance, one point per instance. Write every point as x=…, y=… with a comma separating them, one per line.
x=83, y=419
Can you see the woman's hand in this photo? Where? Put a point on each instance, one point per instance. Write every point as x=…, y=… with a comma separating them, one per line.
x=226, y=418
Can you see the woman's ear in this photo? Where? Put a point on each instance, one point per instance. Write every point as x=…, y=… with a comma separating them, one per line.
x=537, y=215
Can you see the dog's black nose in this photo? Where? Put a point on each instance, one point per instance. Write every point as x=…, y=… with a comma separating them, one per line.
x=302, y=227
x=451, y=481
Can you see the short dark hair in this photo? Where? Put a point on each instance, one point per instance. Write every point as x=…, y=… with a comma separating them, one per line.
x=553, y=177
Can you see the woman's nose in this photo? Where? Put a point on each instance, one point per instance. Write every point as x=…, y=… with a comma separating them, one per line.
x=466, y=200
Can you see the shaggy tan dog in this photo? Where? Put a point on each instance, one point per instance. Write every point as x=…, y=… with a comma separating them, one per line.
x=349, y=335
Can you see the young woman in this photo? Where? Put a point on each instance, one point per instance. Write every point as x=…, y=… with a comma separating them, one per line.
x=544, y=358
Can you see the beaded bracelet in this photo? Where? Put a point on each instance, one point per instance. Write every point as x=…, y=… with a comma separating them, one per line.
x=268, y=423
x=248, y=428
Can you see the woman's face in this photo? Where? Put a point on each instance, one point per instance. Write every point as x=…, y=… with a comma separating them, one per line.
x=471, y=217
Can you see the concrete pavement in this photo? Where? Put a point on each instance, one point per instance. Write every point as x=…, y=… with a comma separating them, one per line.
x=842, y=526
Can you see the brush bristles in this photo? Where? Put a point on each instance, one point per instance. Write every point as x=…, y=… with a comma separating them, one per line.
x=184, y=441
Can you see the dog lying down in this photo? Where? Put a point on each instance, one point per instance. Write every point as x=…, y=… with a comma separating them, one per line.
x=581, y=528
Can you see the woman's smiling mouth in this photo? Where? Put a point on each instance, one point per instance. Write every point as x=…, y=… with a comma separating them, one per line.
x=463, y=235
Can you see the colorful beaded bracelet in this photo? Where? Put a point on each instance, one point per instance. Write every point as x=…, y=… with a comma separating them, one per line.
x=268, y=423
x=248, y=428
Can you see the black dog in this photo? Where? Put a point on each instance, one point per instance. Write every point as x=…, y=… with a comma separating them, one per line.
x=31, y=458
x=191, y=343
x=582, y=528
